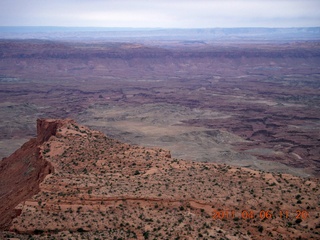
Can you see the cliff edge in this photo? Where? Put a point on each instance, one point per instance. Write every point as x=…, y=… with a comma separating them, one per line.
x=22, y=172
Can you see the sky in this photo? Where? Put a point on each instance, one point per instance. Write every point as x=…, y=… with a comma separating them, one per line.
x=161, y=13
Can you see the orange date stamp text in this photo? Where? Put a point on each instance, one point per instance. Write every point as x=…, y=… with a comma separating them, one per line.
x=262, y=214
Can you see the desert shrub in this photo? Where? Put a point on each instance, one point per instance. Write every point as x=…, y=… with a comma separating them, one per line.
x=146, y=235
x=38, y=231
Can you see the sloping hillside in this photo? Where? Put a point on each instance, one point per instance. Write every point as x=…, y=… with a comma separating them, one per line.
x=95, y=187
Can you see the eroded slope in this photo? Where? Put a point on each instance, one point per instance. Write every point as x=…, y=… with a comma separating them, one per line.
x=106, y=189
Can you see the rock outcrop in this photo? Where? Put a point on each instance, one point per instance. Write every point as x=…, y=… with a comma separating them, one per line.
x=48, y=127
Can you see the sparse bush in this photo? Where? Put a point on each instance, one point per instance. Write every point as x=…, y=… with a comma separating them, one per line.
x=146, y=235
x=38, y=231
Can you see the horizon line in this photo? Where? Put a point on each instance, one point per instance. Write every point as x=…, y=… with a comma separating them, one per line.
x=182, y=28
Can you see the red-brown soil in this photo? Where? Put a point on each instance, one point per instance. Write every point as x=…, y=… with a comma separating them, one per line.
x=92, y=186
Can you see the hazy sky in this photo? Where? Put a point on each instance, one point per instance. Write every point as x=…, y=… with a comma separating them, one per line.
x=161, y=13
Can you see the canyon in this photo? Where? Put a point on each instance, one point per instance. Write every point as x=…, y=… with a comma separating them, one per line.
x=159, y=134
x=251, y=104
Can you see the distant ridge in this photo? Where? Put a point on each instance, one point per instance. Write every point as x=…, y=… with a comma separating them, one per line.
x=100, y=33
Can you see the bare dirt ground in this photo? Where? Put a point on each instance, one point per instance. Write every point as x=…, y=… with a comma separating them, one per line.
x=100, y=188
x=246, y=104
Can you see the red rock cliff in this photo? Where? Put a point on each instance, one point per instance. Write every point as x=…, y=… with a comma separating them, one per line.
x=48, y=127
x=23, y=171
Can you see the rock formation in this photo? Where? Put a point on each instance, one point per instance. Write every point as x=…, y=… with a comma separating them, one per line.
x=22, y=172
x=73, y=182
x=48, y=127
